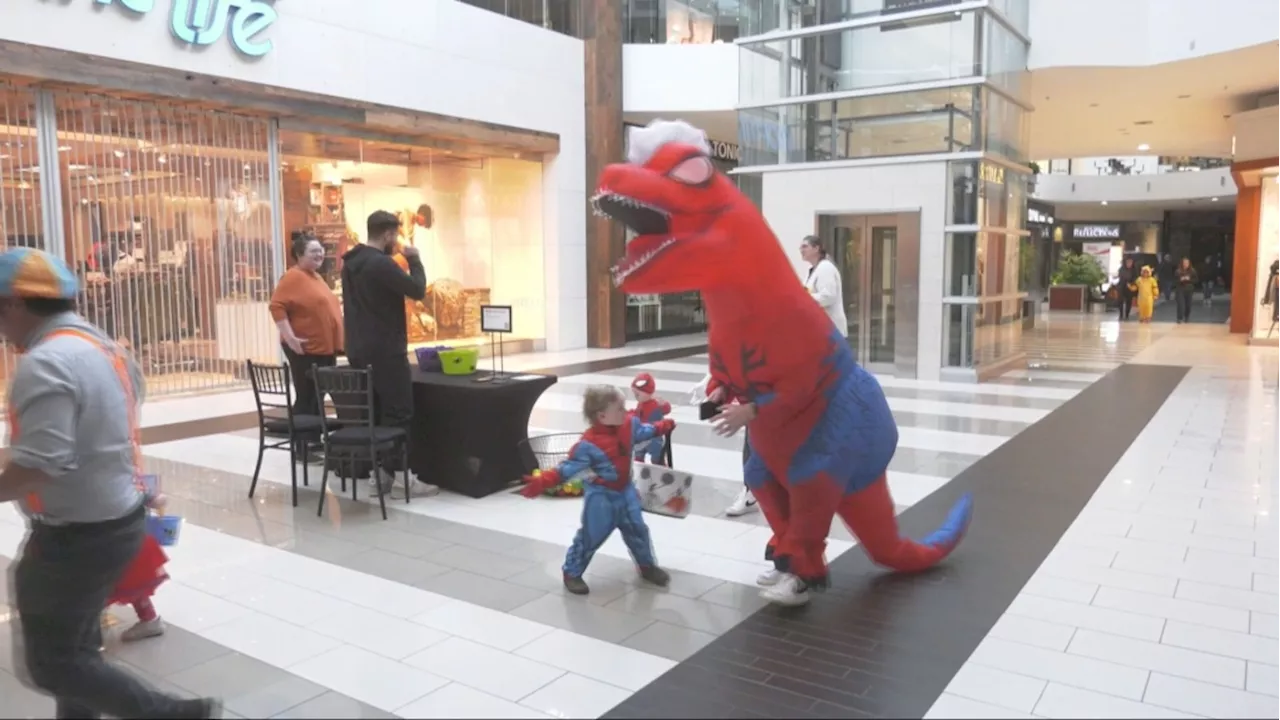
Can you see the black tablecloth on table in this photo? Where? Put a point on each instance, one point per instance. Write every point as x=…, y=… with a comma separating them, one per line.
x=466, y=435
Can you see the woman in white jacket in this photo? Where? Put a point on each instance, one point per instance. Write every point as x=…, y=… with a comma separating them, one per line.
x=823, y=282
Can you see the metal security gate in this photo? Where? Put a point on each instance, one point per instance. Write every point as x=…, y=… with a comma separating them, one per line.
x=21, y=192
x=165, y=211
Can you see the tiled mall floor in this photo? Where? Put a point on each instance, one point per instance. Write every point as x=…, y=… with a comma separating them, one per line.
x=1160, y=600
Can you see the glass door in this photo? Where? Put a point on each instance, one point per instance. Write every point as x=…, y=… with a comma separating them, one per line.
x=865, y=250
x=881, y=285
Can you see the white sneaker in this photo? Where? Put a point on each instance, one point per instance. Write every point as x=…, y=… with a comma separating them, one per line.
x=143, y=630
x=790, y=591
x=745, y=503
x=769, y=577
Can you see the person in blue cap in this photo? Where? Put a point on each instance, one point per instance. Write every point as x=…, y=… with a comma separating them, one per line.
x=73, y=468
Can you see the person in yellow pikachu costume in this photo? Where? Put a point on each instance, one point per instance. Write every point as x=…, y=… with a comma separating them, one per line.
x=1148, y=291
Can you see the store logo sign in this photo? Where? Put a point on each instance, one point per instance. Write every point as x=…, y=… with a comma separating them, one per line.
x=204, y=22
x=1096, y=231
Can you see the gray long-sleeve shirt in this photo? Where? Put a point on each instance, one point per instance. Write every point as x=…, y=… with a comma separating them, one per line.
x=72, y=417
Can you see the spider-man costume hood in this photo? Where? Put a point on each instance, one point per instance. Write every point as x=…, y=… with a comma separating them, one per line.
x=823, y=435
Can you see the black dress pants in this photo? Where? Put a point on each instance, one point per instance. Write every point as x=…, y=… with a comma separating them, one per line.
x=61, y=585
x=305, y=400
x=1126, y=305
x=1183, y=296
x=392, y=394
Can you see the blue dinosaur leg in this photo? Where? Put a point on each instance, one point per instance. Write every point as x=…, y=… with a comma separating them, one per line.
x=599, y=518
x=635, y=532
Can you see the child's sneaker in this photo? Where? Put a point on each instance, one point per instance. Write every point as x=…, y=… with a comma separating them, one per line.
x=143, y=630
x=656, y=575
x=576, y=585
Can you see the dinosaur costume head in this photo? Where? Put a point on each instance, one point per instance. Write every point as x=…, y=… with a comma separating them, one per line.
x=694, y=229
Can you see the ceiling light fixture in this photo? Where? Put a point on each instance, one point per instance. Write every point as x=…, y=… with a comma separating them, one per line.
x=1104, y=202
x=1144, y=147
x=1213, y=199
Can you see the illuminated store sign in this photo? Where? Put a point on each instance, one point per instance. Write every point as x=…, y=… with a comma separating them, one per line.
x=1111, y=232
x=204, y=22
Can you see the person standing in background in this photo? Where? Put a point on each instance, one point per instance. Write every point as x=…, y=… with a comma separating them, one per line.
x=1186, y=279
x=374, y=290
x=73, y=467
x=309, y=318
x=1125, y=287
x=1164, y=275
x=823, y=282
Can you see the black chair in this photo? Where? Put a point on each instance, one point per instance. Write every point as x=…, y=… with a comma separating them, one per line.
x=666, y=451
x=273, y=395
x=356, y=437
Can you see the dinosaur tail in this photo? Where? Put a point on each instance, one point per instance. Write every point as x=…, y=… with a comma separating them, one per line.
x=870, y=516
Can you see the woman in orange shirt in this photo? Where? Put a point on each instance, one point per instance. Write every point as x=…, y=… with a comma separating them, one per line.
x=309, y=318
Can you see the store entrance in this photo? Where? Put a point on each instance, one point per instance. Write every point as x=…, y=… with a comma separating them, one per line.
x=876, y=256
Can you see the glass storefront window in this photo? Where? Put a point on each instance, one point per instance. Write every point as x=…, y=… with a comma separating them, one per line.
x=476, y=221
x=961, y=265
x=686, y=22
x=1017, y=12
x=558, y=15
x=1267, y=303
x=858, y=59
x=933, y=121
x=1005, y=127
x=957, y=335
x=1005, y=58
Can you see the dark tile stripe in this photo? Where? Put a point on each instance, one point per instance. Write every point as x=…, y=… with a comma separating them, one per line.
x=886, y=645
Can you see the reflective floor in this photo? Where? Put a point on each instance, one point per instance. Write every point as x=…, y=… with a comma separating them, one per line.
x=1158, y=601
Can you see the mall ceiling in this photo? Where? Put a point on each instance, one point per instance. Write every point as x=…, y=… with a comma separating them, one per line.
x=1179, y=108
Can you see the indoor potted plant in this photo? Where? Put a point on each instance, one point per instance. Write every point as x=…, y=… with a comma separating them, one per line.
x=1074, y=281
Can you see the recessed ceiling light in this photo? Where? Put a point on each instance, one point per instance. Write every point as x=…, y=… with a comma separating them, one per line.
x=1213, y=199
x=1104, y=202
x=1144, y=147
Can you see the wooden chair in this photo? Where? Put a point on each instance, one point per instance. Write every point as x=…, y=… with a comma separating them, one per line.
x=278, y=427
x=356, y=437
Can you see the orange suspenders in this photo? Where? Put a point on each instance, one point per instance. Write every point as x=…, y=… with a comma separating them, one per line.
x=33, y=502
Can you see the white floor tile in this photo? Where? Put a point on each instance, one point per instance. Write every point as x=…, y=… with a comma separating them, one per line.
x=495, y=672
x=997, y=687
x=194, y=610
x=1061, y=588
x=950, y=706
x=385, y=596
x=1173, y=609
x=573, y=696
x=1160, y=658
x=1208, y=700
x=487, y=627
x=373, y=679
x=1222, y=642
x=1031, y=631
x=271, y=640
x=1263, y=679
x=1062, y=701
x=1128, y=624
x=457, y=701
x=1231, y=597
x=1264, y=624
x=1068, y=669
x=1107, y=576
x=384, y=635
x=596, y=659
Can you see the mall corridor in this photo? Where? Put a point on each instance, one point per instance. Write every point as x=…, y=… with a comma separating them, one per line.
x=1122, y=563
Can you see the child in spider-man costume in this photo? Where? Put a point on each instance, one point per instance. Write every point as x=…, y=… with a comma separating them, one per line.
x=649, y=409
x=610, y=500
x=821, y=434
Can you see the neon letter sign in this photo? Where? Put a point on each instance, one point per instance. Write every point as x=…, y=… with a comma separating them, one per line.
x=203, y=22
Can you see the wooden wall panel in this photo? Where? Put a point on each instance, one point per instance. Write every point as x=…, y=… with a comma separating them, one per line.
x=602, y=34
x=1244, y=265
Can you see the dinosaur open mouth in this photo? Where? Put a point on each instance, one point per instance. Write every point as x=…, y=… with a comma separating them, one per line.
x=639, y=252
x=641, y=217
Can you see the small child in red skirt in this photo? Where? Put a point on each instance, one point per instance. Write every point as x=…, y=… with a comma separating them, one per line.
x=140, y=582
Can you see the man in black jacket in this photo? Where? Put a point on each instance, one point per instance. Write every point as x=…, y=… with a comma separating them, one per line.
x=374, y=290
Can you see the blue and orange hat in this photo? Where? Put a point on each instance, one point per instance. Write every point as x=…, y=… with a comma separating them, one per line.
x=31, y=273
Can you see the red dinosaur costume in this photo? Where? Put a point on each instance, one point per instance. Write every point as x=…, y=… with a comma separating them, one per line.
x=822, y=435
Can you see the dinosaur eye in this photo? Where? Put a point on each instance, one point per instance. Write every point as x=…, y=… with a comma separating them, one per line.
x=696, y=170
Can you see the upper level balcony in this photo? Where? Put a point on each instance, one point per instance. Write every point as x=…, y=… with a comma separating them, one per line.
x=1134, y=179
